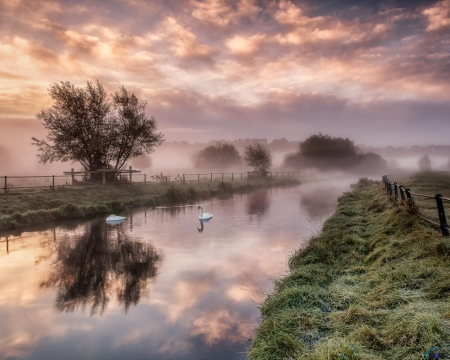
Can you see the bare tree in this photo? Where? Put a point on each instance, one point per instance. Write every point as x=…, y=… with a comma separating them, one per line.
x=85, y=125
x=258, y=156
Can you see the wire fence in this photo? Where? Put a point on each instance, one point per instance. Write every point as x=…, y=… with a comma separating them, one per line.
x=235, y=176
x=11, y=183
x=432, y=208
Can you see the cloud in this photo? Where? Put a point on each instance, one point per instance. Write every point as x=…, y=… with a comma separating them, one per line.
x=214, y=12
x=242, y=46
x=438, y=15
x=199, y=63
x=184, y=43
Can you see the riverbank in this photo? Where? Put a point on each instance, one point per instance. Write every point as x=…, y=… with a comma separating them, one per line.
x=373, y=285
x=30, y=207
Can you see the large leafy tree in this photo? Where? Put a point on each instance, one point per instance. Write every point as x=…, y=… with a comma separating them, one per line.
x=99, y=132
x=258, y=156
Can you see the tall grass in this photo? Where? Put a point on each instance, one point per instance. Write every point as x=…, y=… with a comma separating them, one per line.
x=373, y=285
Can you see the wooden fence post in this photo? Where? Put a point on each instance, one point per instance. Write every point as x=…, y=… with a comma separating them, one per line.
x=131, y=174
x=184, y=180
x=73, y=176
x=53, y=182
x=145, y=179
x=402, y=193
x=441, y=213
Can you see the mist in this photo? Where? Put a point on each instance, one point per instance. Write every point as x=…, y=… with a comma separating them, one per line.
x=18, y=155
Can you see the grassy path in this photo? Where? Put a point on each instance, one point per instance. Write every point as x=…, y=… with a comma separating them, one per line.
x=374, y=284
x=29, y=207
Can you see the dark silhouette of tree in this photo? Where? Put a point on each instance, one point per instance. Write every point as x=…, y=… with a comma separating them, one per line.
x=89, y=269
x=258, y=203
x=86, y=126
x=424, y=163
x=219, y=156
x=320, y=145
x=258, y=157
x=328, y=153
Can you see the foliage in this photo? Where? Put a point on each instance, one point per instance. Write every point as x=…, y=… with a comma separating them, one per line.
x=161, y=178
x=258, y=156
x=219, y=156
x=84, y=125
x=424, y=163
x=326, y=152
x=320, y=145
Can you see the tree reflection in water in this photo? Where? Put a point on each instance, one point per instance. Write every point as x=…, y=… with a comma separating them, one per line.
x=103, y=261
x=258, y=203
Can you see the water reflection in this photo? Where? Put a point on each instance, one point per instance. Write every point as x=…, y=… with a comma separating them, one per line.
x=258, y=203
x=90, y=268
x=319, y=202
x=203, y=302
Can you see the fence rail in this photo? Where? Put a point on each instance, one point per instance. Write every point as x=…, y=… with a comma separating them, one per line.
x=234, y=176
x=9, y=183
x=404, y=196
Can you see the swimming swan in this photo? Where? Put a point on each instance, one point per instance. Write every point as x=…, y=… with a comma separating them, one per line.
x=204, y=216
x=115, y=218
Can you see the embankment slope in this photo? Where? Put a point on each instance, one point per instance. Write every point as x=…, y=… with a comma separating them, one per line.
x=374, y=284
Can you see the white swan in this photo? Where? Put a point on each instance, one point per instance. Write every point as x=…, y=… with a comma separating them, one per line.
x=204, y=216
x=114, y=218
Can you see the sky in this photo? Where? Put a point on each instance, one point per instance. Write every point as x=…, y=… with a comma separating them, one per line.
x=377, y=72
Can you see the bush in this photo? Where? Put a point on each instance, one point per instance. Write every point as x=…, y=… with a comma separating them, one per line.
x=219, y=156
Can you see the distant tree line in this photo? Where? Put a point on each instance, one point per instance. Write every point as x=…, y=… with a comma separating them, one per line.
x=222, y=156
x=334, y=153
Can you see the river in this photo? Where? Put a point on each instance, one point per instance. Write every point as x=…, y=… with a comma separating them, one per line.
x=159, y=285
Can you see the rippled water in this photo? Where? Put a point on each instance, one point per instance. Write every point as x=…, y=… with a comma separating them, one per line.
x=160, y=285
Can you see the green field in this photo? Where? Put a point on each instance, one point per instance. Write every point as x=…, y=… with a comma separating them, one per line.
x=36, y=206
x=374, y=284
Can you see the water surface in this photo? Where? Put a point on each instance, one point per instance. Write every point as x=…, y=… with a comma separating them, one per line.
x=160, y=285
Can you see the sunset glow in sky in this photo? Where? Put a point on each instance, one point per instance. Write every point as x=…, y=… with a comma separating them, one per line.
x=377, y=72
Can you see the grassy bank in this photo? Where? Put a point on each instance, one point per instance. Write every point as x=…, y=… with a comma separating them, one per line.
x=374, y=284
x=29, y=207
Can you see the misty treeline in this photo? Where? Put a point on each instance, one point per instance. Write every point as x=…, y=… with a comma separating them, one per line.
x=223, y=155
x=415, y=150
x=96, y=130
x=319, y=151
x=334, y=153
